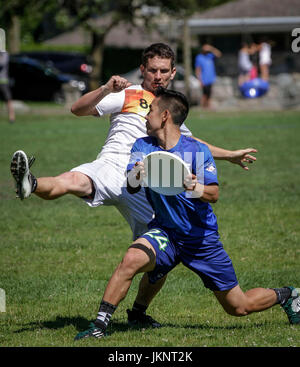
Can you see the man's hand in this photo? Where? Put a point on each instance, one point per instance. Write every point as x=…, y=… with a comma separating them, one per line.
x=242, y=156
x=190, y=182
x=192, y=186
x=116, y=84
x=195, y=190
x=139, y=169
x=135, y=177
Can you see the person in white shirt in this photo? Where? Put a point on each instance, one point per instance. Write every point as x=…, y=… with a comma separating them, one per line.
x=4, y=85
x=103, y=181
x=265, y=60
x=244, y=64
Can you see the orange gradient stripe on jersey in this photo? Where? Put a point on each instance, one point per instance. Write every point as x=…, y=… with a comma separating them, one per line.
x=137, y=101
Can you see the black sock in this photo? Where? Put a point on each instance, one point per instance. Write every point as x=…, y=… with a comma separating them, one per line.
x=33, y=182
x=139, y=308
x=104, y=314
x=283, y=294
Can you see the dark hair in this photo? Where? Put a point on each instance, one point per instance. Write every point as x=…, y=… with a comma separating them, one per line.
x=158, y=49
x=175, y=102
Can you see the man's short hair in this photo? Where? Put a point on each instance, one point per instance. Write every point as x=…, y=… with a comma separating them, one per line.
x=158, y=49
x=175, y=102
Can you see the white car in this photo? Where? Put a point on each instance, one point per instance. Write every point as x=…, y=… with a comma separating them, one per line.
x=135, y=77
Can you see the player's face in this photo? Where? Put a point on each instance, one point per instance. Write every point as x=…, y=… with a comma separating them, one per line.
x=154, y=118
x=157, y=72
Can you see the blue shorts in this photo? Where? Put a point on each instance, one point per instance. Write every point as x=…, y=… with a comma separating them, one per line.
x=207, y=258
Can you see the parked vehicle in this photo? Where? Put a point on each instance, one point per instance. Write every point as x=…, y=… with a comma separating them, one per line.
x=67, y=62
x=178, y=83
x=35, y=81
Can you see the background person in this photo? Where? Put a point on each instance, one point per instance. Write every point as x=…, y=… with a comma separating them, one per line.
x=206, y=72
x=265, y=60
x=244, y=63
x=4, y=85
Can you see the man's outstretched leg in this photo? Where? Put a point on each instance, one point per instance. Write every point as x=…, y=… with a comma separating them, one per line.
x=48, y=188
x=238, y=303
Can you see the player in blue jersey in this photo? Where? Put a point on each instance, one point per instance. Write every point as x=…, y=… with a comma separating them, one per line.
x=184, y=229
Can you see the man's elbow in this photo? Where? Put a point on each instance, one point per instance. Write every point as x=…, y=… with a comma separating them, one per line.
x=80, y=111
x=74, y=110
x=214, y=195
x=214, y=198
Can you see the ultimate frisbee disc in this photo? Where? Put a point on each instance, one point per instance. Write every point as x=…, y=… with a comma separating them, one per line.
x=165, y=172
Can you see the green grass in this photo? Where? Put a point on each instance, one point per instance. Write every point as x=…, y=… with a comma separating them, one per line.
x=56, y=257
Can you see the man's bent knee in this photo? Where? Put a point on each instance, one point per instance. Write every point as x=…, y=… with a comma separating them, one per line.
x=234, y=301
x=137, y=259
x=236, y=311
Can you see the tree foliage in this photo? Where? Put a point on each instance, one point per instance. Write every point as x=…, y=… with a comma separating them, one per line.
x=184, y=7
x=66, y=14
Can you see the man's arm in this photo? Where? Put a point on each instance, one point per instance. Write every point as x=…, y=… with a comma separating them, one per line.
x=86, y=105
x=240, y=156
x=210, y=193
x=213, y=50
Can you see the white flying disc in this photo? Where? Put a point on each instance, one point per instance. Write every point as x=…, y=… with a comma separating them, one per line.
x=165, y=173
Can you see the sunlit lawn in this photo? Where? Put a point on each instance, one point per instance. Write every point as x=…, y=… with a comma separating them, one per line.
x=56, y=257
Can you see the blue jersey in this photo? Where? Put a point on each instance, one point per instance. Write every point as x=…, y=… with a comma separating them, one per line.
x=207, y=65
x=185, y=216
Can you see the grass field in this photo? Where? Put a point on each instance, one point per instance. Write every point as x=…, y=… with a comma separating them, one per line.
x=56, y=257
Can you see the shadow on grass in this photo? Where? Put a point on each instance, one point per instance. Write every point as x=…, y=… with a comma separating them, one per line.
x=116, y=326
x=81, y=324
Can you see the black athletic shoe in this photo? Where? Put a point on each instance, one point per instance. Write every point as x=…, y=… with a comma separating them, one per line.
x=292, y=306
x=136, y=318
x=92, y=331
x=19, y=168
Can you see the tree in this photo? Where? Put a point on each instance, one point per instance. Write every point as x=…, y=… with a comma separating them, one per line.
x=86, y=13
x=14, y=12
x=10, y=12
x=183, y=9
x=98, y=17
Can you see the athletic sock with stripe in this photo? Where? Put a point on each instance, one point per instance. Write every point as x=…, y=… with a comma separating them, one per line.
x=104, y=314
x=283, y=294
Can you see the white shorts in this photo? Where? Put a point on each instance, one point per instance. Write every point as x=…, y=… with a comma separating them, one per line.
x=110, y=189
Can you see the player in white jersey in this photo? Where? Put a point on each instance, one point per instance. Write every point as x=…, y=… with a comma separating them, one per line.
x=102, y=182
x=127, y=110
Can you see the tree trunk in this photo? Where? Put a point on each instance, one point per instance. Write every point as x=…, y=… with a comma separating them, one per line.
x=187, y=57
x=97, y=60
x=13, y=35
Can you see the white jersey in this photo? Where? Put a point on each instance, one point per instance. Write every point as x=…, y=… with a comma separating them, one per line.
x=265, y=54
x=128, y=109
x=244, y=61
